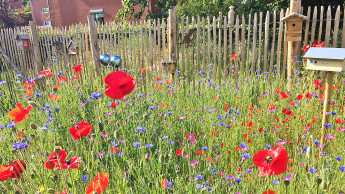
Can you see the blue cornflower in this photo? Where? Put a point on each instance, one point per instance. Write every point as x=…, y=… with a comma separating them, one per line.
x=268, y=146
x=248, y=170
x=136, y=144
x=168, y=183
x=140, y=129
x=198, y=186
x=213, y=171
x=237, y=112
x=84, y=178
x=95, y=95
x=56, y=108
x=242, y=145
x=338, y=158
x=2, y=126
x=305, y=149
x=114, y=144
x=313, y=170
x=204, y=148
x=198, y=177
x=170, y=142
x=237, y=180
x=10, y=124
x=245, y=155
x=37, y=95
x=120, y=154
x=342, y=169
x=316, y=141
x=149, y=145
x=275, y=182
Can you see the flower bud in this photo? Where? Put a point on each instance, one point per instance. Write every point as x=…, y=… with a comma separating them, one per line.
x=50, y=190
x=33, y=126
x=33, y=104
x=318, y=181
x=57, y=149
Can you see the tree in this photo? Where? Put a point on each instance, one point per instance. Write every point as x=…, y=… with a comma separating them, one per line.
x=14, y=13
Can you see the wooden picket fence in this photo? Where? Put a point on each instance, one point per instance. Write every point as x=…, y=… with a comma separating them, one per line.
x=203, y=44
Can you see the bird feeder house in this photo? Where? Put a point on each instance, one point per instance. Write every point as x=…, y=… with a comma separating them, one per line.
x=294, y=26
x=325, y=59
x=58, y=46
x=72, y=48
x=23, y=42
x=330, y=60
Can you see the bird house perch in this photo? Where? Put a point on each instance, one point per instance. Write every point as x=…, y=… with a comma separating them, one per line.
x=330, y=60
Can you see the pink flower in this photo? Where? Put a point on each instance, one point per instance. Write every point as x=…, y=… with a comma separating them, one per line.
x=193, y=163
x=281, y=143
x=329, y=136
x=181, y=118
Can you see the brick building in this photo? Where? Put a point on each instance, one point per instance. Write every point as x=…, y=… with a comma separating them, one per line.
x=68, y=12
x=40, y=12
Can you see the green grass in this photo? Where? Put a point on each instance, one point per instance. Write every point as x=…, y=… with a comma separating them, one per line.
x=191, y=110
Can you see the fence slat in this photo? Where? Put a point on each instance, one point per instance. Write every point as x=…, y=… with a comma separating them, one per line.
x=255, y=25
x=248, y=45
x=313, y=25
x=203, y=45
x=336, y=27
x=242, y=43
x=225, y=45
x=220, y=47
x=306, y=31
x=267, y=25
x=343, y=32
x=280, y=36
x=273, y=45
x=321, y=24
x=328, y=26
x=260, y=38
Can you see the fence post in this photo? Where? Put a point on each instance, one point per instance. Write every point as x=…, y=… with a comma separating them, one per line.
x=37, y=52
x=94, y=43
x=172, y=41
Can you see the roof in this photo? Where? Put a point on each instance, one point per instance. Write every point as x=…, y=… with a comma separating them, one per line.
x=22, y=36
x=326, y=53
x=294, y=15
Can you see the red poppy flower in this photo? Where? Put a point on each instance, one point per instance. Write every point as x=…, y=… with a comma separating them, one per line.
x=77, y=68
x=4, y=172
x=19, y=113
x=29, y=84
x=305, y=48
x=29, y=92
x=61, y=79
x=233, y=56
x=57, y=161
x=98, y=184
x=46, y=73
x=271, y=162
x=80, y=129
x=164, y=183
x=283, y=95
x=268, y=192
x=178, y=152
x=16, y=169
x=113, y=105
x=299, y=97
x=119, y=84
x=53, y=97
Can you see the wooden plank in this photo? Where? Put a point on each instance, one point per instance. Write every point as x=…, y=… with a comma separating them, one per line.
x=203, y=45
x=313, y=25
x=242, y=44
x=220, y=48
x=37, y=53
x=94, y=43
x=163, y=39
x=208, y=41
x=225, y=45
x=328, y=26
x=267, y=25
x=188, y=73
x=159, y=58
x=285, y=50
x=255, y=25
x=306, y=31
x=237, y=34
x=273, y=49
x=321, y=23
x=343, y=32
x=248, y=44
x=280, y=36
x=260, y=38
x=182, y=47
x=198, y=44
x=336, y=27
x=154, y=55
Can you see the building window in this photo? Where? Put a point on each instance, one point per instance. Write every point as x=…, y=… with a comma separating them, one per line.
x=97, y=15
x=45, y=10
x=47, y=23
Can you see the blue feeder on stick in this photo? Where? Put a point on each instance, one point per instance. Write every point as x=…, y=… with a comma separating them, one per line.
x=115, y=61
x=104, y=59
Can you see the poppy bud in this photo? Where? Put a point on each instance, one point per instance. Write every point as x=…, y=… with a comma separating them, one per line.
x=50, y=190
x=101, y=126
x=33, y=126
x=55, y=177
x=55, y=90
x=38, y=192
x=95, y=192
x=309, y=152
x=318, y=181
x=32, y=175
x=69, y=185
x=57, y=149
x=16, y=192
x=13, y=129
x=32, y=135
x=33, y=104
x=287, y=182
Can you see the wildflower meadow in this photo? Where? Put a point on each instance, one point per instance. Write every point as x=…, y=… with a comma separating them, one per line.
x=69, y=132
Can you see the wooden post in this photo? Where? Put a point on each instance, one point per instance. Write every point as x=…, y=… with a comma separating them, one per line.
x=94, y=43
x=37, y=52
x=172, y=41
x=327, y=103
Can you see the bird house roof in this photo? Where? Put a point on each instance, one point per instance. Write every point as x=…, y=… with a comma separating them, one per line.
x=326, y=53
x=22, y=36
x=294, y=16
x=72, y=44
